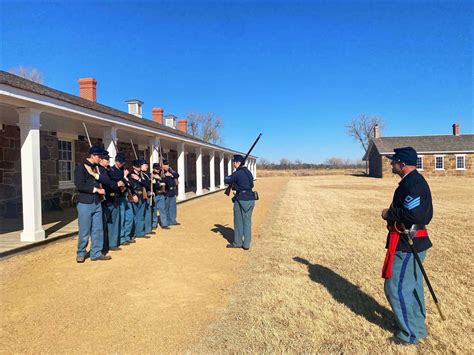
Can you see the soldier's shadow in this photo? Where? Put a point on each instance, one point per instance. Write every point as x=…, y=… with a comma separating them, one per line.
x=345, y=292
x=226, y=232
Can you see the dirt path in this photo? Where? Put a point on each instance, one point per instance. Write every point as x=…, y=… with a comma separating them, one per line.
x=158, y=295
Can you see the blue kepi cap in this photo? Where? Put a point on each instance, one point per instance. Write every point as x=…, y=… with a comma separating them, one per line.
x=406, y=155
x=238, y=158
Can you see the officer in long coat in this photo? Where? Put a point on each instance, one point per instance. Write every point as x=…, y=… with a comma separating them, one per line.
x=412, y=209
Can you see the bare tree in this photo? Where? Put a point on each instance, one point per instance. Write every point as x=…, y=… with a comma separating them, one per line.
x=29, y=73
x=361, y=128
x=206, y=126
x=263, y=163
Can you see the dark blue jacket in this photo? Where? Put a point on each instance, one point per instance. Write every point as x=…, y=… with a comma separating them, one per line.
x=117, y=175
x=242, y=179
x=146, y=182
x=109, y=184
x=171, y=184
x=156, y=186
x=85, y=184
x=135, y=185
x=412, y=204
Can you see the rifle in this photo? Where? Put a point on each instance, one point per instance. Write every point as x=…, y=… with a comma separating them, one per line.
x=102, y=197
x=230, y=186
x=127, y=186
x=151, y=182
x=162, y=187
x=144, y=194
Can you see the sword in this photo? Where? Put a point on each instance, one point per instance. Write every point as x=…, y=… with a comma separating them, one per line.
x=408, y=240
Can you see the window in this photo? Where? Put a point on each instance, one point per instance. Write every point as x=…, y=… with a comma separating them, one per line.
x=460, y=162
x=439, y=162
x=419, y=162
x=65, y=161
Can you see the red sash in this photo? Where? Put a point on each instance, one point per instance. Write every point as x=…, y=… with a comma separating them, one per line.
x=393, y=239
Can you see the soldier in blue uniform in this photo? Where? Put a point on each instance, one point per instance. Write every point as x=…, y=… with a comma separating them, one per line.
x=169, y=179
x=110, y=206
x=159, y=189
x=244, y=203
x=138, y=188
x=126, y=217
x=412, y=207
x=146, y=183
x=89, y=208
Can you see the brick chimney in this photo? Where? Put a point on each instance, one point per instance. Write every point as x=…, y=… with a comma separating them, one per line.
x=183, y=125
x=376, y=131
x=157, y=114
x=456, y=129
x=87, y=88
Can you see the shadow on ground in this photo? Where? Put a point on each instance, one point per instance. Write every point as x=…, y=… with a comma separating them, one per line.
x=349, y=294
x=226, y=232
x=60, y=218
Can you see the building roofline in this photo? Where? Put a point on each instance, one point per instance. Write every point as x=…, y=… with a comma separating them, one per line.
x=20, y=83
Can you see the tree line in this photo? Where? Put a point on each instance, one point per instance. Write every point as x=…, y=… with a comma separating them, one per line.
x=331, y=163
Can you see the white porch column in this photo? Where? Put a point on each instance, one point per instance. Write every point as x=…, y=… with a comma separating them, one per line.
x=31, y=174
x=229, y=165
x=212, y=172
x=255, y=169
x=221, y=170
x=181, y=172
x=186, y=155
x=154, y=158
x=110, y=135
x=199, y=171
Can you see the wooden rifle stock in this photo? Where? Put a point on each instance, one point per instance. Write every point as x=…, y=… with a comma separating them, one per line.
x=230, y=186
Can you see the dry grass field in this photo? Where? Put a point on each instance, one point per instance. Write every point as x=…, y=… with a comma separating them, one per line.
x=313, y=283
x=310, y=284
x=263, y=173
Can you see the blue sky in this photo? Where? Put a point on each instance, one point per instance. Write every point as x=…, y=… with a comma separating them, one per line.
x=296, y=71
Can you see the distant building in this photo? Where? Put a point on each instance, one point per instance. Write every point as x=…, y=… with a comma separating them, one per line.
x=438, y=155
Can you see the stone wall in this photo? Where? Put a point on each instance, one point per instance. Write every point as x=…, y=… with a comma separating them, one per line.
x=52, y=196
x=375, y=164
x=10, y=171
x=429, y=166
x=10, y=174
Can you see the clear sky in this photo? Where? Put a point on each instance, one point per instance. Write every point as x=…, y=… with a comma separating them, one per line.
x=296, y=71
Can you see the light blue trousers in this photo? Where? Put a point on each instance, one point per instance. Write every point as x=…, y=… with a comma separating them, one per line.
x=90, y=225
x=171, y=209
x=127, y=219
x=148, y=215
x=160, y=205
x=139, y=209
x=243, y=223
x=111, y=214
x=404, y=291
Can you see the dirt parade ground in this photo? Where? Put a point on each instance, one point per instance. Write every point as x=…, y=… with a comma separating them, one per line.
x=311, y=282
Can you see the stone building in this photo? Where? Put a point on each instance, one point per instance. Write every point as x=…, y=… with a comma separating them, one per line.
x=438, y=155
x=42, y=138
